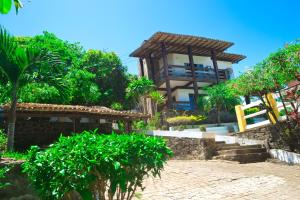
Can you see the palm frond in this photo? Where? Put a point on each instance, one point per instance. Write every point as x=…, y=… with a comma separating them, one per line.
x=18, y=5
x=8, y=50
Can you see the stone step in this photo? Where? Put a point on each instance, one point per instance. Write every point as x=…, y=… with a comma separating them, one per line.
x=220, y=142
x=245, y=158
x=241, y=151
x=229, y=147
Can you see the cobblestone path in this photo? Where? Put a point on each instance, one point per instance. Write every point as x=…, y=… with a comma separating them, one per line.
x=198, y=180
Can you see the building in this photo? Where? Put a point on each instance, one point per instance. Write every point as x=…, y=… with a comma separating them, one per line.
x=181, y=65
x=42, y=124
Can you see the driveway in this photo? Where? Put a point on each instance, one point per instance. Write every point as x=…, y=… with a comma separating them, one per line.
x=223, y=180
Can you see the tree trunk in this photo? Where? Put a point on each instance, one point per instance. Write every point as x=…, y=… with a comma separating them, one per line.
x=247, y=99
x=12, y=120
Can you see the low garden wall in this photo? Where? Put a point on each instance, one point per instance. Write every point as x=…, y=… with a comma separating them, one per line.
x=191, y=148
x=19, y=186
x=268, y=133
x=41, y=132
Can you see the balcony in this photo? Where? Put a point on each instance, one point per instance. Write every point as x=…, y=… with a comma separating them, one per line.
x=183, y=105
x=202, y=74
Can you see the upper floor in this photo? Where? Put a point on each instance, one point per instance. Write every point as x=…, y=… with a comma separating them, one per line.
x=167, y=56
x=179, y=69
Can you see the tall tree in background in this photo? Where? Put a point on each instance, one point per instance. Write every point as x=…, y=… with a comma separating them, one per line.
x=111, y=76
x=14, y=61
x=220, y=97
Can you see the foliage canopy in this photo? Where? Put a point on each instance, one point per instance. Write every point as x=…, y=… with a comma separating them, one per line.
x=89, y=164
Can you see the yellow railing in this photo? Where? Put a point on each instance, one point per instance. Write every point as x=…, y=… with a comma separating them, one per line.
x=241, y=117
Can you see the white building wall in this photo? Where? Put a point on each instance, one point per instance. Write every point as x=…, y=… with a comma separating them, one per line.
x=181, y=59
x=183, y=94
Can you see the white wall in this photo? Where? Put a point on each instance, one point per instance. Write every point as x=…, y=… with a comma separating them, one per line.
x=180, y=59
x=183, y=94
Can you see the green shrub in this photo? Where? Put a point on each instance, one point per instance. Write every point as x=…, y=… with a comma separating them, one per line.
x=185, y=120
x=202, y=128
x=3, y=142
x=116, y=106
x=155, y=121
x=251, y=111
x=3, y=172
x=15, y=155
x=139, y=125
x=96, y=166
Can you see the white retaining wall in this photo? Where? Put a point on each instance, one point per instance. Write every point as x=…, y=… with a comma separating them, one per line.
x=285, y=156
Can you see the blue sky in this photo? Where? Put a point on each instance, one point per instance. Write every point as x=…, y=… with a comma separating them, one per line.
x=257, y=27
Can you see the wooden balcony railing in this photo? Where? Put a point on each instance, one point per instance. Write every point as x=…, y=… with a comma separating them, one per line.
x=202, y=74
x=183, y=105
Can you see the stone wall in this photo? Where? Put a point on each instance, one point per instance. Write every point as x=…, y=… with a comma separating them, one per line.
x=191, y=148
x=41, y=132
x=19, y=186
x=268, y=133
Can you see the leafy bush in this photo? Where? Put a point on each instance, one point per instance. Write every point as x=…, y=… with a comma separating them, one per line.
x=15, y=155
x=3, y=142
x=96, y=166
x=139, y=125
x=250, y=111
x=116, y=106
x=185, y=120
x=155, y=121
x=3, y=172
x=202, y=128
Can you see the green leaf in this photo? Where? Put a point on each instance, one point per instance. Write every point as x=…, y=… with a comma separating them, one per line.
x=5, y=6
x=86, y=195
x=117, y=165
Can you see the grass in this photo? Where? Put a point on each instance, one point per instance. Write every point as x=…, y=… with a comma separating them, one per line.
x=15, y=155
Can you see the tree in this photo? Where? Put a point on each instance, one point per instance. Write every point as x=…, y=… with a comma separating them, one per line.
x=14, y=61
x=220, y=97
x=5, y=5
x=84, y=90
x=111, y=76
x=50, y=84
x=137, y=90
x=157, y=98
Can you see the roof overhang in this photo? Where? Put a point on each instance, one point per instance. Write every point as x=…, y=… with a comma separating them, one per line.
x=46, y=110
x=177, y=43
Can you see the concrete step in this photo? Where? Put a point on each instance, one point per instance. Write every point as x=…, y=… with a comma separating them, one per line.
x=220, y=142
x=237, y=146
x=242, y=151
x=245, y=158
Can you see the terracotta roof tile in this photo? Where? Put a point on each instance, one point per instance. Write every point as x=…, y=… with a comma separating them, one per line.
x=76, y=109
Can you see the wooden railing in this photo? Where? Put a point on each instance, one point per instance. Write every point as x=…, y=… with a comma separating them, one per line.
x=184, y=72
x=242, y=118
x=182, y=105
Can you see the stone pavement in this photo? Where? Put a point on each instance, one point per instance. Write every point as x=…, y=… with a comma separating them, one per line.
x=198, y=180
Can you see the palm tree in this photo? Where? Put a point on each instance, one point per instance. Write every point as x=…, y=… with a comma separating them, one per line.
x=14, y=61
x=5, y=5
x=137, y=91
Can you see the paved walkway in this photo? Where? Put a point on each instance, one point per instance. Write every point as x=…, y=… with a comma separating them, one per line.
x=198, y=180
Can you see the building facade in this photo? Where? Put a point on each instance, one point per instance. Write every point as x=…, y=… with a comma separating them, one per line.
x=182, y=65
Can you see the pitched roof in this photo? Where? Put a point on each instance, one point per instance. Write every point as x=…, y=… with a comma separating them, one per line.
x=84, y=111
x=178, y=43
